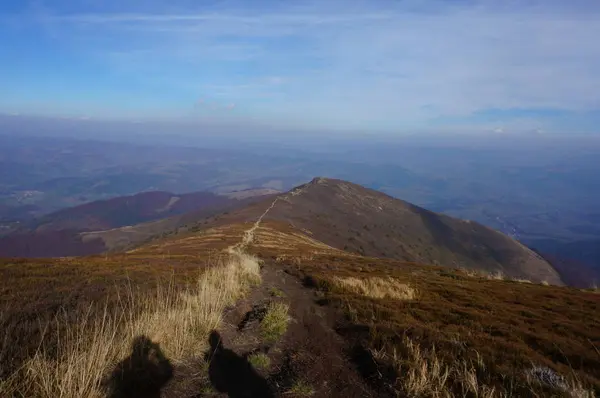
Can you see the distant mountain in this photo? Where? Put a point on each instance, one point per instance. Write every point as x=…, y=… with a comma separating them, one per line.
x=125, y=210
x=125, y=220
x=360, y=220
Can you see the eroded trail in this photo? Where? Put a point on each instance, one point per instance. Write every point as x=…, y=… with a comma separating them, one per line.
x=292, y=362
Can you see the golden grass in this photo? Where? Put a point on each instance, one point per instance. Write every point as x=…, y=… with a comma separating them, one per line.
x=377, y=287
x=179, y=321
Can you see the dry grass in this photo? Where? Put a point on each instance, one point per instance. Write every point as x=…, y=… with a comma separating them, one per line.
x=546, y=377
x=274, y=325
x=377, y=287
x=179, y=322
x=496, y=275
x=425, y=374
x=521, y=280
x=465, y=321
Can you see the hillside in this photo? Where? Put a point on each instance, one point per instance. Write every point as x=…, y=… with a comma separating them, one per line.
x=118, y=223
x=260, y=306
x=125, y=210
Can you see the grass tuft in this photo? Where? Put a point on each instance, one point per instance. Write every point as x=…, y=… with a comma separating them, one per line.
x=259, y=361
x=275, y=292
x=274, y=325
x=301, y=389
x=377, y=287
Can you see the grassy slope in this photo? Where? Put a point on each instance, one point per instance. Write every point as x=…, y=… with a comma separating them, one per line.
x=350, y=217
x=512, y=326
x=60, y=234
x=34, y=291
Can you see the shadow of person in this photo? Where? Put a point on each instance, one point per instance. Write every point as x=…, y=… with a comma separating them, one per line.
x=142, y=374
x=232, y=374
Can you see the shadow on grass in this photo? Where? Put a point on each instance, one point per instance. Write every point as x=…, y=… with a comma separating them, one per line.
x=232, y=374
x=143, y=374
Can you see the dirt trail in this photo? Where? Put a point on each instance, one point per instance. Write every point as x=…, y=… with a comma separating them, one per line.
x=310, y=352
x=249, y=234
x=248, y=237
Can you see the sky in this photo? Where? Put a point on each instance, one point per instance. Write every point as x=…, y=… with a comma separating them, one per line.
x=489, y=66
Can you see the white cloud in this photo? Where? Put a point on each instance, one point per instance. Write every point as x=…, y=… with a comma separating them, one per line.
x=358, y=63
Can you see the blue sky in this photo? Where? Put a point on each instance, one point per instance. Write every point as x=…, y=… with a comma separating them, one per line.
x=397, y=66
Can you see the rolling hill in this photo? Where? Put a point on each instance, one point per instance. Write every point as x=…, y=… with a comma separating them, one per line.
x=102, y=225
x=125, y=210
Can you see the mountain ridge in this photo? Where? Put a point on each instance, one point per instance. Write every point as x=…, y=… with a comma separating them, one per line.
x=360, y=220
x=337, y=213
